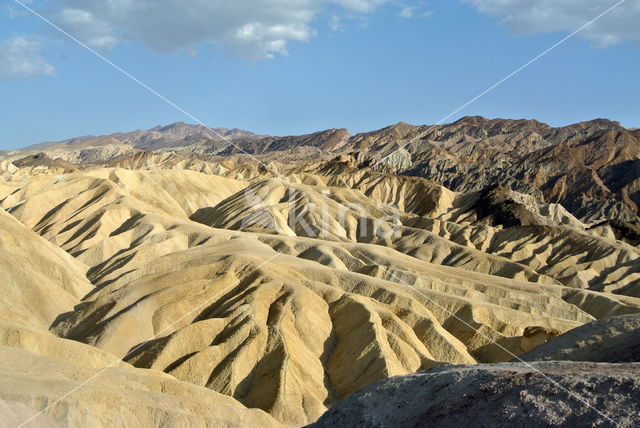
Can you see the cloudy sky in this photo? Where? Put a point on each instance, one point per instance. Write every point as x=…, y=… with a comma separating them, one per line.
x=295, y=66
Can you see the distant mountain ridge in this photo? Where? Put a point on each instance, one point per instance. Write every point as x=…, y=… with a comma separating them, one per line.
x=456, y=136
x=178, y=133
x=590, y=168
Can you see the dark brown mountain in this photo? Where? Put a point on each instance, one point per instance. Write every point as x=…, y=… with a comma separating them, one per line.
x=590, y=167
x=42, y=160
x=179, y=134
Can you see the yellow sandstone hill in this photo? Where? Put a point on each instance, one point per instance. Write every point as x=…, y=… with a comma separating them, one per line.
x=290, y=292
x=76, y=384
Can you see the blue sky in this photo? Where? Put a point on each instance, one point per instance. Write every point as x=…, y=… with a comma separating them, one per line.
x=290, y=67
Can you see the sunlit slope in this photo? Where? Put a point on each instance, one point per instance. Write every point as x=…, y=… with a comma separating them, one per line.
x=74, y=383
x=120, y=396
x=39, y=280
x=292, y=319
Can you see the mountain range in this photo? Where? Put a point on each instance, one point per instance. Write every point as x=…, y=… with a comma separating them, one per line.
x=590, y=168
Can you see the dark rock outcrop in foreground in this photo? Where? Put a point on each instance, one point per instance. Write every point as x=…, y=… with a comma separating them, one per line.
x=508, y=394
x=610, y=340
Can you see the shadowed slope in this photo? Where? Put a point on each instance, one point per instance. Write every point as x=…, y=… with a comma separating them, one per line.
x=39, y=282
x=327, y=316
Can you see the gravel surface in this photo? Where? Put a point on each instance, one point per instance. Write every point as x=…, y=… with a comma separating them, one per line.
x=499, y=395
x=610, y=340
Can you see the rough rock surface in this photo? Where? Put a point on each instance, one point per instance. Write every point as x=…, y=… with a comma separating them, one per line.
x=500, y=395
x=612, y=340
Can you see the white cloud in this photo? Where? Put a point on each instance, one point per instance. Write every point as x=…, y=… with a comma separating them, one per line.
x=535, y=16
x=95, y=32
x=334, y=23
x=363, y=6
x=14, y=10
x=410, y=12
x=20, y=57
x=407, y=12
x=253, y=29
